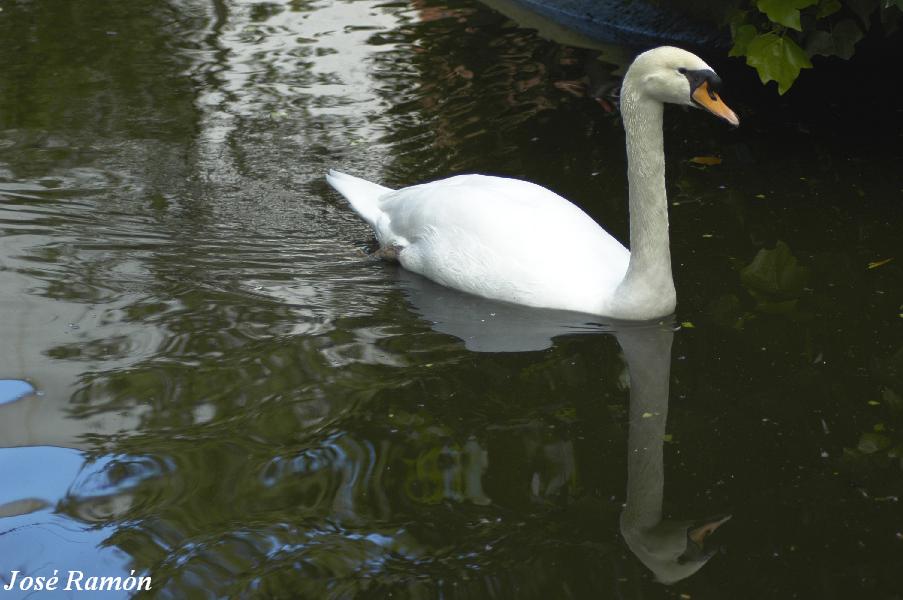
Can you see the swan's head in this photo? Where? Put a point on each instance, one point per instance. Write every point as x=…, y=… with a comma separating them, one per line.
x=669, y=74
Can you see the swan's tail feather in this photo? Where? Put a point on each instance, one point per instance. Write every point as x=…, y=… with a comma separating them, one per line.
x=360, y=193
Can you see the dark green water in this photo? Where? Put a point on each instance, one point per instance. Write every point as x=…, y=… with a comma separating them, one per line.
x=233, y=400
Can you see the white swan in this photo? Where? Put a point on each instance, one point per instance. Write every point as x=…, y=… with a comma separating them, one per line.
x=516, y=241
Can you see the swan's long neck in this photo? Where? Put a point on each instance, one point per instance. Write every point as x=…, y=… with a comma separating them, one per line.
x=648, y=286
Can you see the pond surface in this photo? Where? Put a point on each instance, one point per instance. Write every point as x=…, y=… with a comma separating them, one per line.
x=229, y=397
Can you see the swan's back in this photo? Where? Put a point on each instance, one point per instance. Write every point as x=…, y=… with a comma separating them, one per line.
x=500, y=238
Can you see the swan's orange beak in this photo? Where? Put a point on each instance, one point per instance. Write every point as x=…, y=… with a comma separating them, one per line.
x=706, y=97
x=699, y=533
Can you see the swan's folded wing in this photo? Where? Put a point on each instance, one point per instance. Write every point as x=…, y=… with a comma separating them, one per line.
x=503, y=238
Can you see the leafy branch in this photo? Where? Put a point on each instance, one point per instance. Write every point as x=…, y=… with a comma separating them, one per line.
x=780, y=37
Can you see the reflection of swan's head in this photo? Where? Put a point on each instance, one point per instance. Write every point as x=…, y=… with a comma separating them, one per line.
x=669, y=74
x=672, y=550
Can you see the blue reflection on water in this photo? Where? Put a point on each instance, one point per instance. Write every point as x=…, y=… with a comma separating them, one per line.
x=13, y=389
x=35, y=537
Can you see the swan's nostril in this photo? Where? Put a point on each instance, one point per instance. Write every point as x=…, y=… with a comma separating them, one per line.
x=714, y=83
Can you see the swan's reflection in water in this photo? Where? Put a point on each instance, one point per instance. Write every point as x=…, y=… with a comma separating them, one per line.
x=491, y=326
x=671, y=549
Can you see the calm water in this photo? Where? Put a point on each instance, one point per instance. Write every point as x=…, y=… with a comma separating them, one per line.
x=232, y=399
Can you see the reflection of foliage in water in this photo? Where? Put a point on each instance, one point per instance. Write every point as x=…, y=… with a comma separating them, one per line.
x=494, y=89
x=315, y=493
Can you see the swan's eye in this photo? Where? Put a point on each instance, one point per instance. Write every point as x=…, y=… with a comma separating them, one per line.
x=682, y=70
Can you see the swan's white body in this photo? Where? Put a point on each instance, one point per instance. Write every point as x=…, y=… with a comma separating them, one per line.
x=499, y=238
x=516, y=241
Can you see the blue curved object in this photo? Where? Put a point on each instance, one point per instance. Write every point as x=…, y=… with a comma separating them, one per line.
x=13, y=389
x=636, y=23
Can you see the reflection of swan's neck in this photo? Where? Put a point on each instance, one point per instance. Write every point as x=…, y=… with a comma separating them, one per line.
x=670, y=549
x=649, y=363
x=648, y=279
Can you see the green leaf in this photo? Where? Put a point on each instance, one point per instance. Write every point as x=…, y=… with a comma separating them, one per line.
x=775, y=272
x=863, y=9
x=777, y=58
x=742, y=38
x=737, y=18
x=840, y=41
x=890, y=18
x=846, y=34
x=820, y=42
x=870, y=443
x=784, y=12
x=827, y=8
